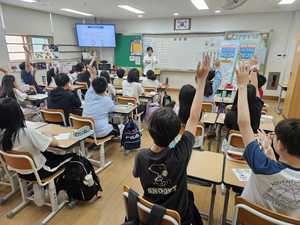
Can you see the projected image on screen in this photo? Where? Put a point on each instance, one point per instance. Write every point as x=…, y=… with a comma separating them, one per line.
x=96, y=35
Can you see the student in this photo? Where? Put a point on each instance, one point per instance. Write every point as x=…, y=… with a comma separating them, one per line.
x=163, y=170
x=10, y=88
x=186, y=97
x=120, y=74
x=273, y=184
x=16, y=136
x=50, y=77
x=149, y=60
x=72, y=75
x=64, y=96
x=98, y=105
x=211, y=87
x=26, y=75
x=111, y=89
x=132, y=88
x=83, y=73
x=151, y=80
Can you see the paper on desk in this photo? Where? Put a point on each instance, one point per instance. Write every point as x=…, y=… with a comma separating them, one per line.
x=38, y=96
x=242, y=174
x=223, y=116
x=62, y=136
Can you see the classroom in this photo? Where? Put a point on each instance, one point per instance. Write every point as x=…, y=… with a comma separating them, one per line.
x=171, y=111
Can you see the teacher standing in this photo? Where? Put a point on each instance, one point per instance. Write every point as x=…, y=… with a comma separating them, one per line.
x=149, y=60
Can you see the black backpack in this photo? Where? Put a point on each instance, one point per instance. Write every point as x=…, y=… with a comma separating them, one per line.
x=155, y=216
x=167, y=101
x=131, y=137
x=75, y=173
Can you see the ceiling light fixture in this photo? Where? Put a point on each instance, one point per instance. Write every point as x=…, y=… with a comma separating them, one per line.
x=200, y=4
x=31, y=1
x=284, y=2
x=176, y=14
x=77, y=12
x=131, y=9
x=218, y=11
x=140, y=15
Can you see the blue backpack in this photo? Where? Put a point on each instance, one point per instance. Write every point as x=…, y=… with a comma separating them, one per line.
x=131, y=137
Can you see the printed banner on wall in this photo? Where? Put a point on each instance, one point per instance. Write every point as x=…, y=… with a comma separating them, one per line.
x=136, y=47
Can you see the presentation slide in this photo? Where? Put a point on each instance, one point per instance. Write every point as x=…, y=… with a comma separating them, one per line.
x=96, y=35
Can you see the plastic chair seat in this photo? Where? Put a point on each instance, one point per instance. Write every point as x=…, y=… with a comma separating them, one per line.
x=99, y=140
x=45, y=179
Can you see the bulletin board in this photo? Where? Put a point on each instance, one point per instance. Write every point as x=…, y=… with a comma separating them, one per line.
x=123, y=55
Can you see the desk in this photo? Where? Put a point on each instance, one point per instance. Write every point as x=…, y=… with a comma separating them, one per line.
x=283, y=88
x=210, y=118
x=42, y=85
x=75, y=87
x=141, y=79
x=162, y=88
x=225, y=100
x=197, y=170
x=267, y=126
x=35, y=125
x=220, y=123
x=38, y=97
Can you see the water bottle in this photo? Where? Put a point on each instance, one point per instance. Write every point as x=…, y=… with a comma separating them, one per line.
x=167, y=80
x=23, y=84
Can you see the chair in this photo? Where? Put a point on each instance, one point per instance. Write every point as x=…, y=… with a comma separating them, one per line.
x=250, y=213
x=13, y=183
x=53, y=115
x=171, y=217
x=126, y=100
x=82, y=83
x=199, y=131
x=118, y=87
x=235, y=139
x=25, y=160
x=78, y=122
x=149, y=89
x=208, y=106
x=32, y=87
x=264, y=111
x=49, y=88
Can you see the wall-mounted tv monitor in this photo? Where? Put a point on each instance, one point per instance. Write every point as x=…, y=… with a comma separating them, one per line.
x=96, y=35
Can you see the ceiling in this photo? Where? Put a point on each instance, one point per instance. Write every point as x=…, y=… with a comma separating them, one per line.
x=108, y=10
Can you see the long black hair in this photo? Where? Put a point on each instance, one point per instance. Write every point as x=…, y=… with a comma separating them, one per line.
x=105, y=75
x=51, y=73
x=72, y=70
x=186, y=97
x=208, y=89
x=12, y=120
x=7, y=87
x=251, y=95
x=133, y=75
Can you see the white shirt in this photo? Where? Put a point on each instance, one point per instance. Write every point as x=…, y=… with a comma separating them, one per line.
x=73, y=77
x=52, y=83
x=20, y=96
x=111, y=91
x=150, y=60
x=132, y=89
x=151, y=83
x=34, y=142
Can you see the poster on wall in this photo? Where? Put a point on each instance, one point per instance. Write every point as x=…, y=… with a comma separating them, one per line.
x=38, y=65
x=14, y=67
x=49, y=65
x=136, y=47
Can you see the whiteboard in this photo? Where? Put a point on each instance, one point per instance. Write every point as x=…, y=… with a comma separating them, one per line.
x=182, y=52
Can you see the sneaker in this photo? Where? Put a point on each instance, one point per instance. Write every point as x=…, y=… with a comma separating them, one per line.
x=39, y=194
x=90, y=156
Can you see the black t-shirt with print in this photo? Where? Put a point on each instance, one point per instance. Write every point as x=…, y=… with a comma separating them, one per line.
x=84, y=77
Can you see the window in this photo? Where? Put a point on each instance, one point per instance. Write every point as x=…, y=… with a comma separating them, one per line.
x=39, y=40
x=20, y=39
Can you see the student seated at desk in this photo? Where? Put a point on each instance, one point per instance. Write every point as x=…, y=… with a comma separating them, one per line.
x=15, y=136
x=26, y=75
x=10, y=88
x=132, y=88
x=211, y=87
x=64, y=96
x=272, y=184
x=72, y=75
x=98, y=105
x=186, y=97
x=50, y=77
x=83, y=74
x=151, y=80
x=111, y=89
x=163, y=170
x=120, y=74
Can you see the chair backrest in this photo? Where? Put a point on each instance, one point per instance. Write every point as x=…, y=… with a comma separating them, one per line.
x=250, y=213
x=53, y=115
x=118, y=87
x=149, y=89
x=126, y=100
x=32, y=87
x=22, y=160
x=235, y=139
x=199, y=131
x=49, y=88
x=82, y=83
x=208, y=106
x=126, y=72
x=141, y=73
x=171, y=217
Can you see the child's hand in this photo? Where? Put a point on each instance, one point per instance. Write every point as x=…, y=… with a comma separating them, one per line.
x=95, y=54
x=92, y=70
x=264, y=140
x=202, y=72
x=3, y=71
x=25, y=48
x=242, y=75
x=217, y=63
x=240, y=56
x=252, y=62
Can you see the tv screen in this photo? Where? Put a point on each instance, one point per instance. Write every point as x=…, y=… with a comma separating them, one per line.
x=96, y=35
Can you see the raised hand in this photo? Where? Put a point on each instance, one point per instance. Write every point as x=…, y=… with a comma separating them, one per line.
x=217, y=63
x=3, y=71
x=240, y=56
x=25, y=49
x=264, y=140
x=242, y=75
x=202, y=71
x=92, y=71
x=252, y=62
x=95, y=54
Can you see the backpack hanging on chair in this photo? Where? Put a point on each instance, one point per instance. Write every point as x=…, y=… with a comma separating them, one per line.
x=167, y=101
x=150, y=109
x=131, y=137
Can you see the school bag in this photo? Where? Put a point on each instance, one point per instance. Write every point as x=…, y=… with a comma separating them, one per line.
x=156, y=214
x=167, y=101
x=192, y=216
x=150, y=109
x=76, y=182
x=131, y=137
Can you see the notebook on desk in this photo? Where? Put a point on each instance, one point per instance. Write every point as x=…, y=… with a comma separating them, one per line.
x=123, y=107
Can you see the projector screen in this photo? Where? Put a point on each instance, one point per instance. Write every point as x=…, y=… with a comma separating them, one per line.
x=96, y=35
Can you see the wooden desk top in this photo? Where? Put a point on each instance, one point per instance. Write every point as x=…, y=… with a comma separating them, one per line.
x=37, y=97
x=77, y=86
x=35, y=125
x=42, y=84
x=210, y=118
x=127, y=111
x=284, y=86
x=57, y=129
x=147, y=95
x=229, y=176
x=267, y=126
x=206, y=166
x=220, y=119
x=225, y=100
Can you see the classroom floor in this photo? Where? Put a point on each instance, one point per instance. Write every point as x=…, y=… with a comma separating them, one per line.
x=109, y=209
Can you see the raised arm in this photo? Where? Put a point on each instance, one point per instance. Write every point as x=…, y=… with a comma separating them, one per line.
x=27, y=60
x=3, y=71
x=92, y=71
x=253, y=75
x=93, y=59
x=243, y=108
x=201, y=73
x=218, y=76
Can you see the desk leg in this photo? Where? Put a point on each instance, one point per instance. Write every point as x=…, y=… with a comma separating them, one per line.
x=212, y=204
x=224, y=216
x=79, y=94
x=279, y=97
x=219, y=137
x=209, y=144
x=82, y=147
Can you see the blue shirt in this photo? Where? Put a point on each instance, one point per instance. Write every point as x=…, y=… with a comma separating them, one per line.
x=216, y=84
x=28, y=78
x=98, y=107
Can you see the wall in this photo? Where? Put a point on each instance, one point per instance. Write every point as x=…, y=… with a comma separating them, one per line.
x=285, y=27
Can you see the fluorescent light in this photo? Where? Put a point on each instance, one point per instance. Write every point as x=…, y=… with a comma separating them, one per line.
x=200, y=4
x=29, y=1
x=218, y=11
x=286, y=2
x=176, y=14
x=131, y=9
x=140, y=15
x=77, y=12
